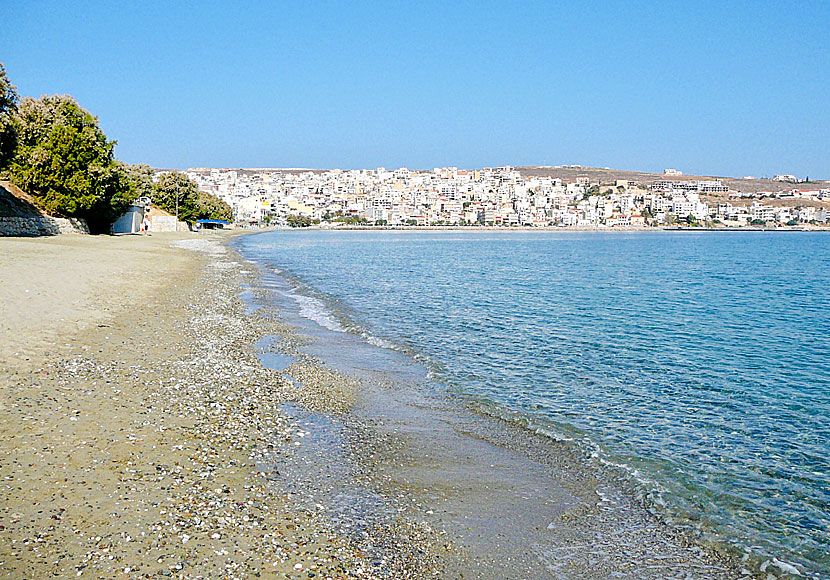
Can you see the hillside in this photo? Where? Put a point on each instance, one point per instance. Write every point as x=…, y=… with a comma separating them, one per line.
x=608, y=176
x=14, y=202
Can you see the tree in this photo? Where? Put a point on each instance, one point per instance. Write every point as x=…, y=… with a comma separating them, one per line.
x=8, y=106
x=298, y=221
x=141, y=179
x=66, y=162
x=210, y=207
x=8, y=92
x=177, y=190
x=193, y=204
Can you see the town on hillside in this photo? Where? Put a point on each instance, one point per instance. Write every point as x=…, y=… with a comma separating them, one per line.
x=509, y=196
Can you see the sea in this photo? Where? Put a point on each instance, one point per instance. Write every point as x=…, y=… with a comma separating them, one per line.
x=696, y=365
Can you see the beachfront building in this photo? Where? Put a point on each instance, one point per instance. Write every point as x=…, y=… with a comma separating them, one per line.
x=761, y=212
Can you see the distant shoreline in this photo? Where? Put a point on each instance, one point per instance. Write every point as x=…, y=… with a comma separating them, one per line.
x=542, y=229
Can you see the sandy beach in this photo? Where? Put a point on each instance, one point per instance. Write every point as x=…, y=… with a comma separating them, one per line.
x=132, y=409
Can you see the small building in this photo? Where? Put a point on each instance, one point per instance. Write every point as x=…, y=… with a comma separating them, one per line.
x=786, y=178
x=161, y=221
x=130, y=221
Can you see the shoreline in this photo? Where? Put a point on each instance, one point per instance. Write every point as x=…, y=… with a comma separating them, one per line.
x=560, y=506
x=130, y=439
x=568, y=229
x=148, y=438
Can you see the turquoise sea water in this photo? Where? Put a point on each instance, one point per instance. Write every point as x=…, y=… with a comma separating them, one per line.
x=696, y=363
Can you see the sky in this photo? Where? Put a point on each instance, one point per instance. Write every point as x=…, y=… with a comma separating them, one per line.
x=713, y=88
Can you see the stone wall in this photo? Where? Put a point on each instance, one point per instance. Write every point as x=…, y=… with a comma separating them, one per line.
x=41, y=226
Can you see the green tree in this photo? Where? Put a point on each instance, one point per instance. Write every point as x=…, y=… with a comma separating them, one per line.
x=8, y=106
x=66, y=162
x=298, y=221
x=210, y=207
x=141, y=179
x=8, y=92
x=174, y=190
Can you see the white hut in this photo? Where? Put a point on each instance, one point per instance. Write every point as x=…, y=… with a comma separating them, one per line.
x=130, y=222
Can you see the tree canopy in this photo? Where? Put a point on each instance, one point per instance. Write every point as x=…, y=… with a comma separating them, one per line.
x=65, y=161
x=140, y=177
x=299, y=221
x=193, y=204
x=212, y=208
x=8, y=105
x=177, y=189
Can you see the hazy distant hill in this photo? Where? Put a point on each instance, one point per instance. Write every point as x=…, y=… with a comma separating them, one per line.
x=608, y=176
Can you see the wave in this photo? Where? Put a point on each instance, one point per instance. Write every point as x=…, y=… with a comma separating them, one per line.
x=316, y=311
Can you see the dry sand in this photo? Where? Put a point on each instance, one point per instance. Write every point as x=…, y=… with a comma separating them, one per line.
x=54, y=288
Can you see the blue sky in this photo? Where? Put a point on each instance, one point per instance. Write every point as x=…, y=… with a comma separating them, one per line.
x=725, y=88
